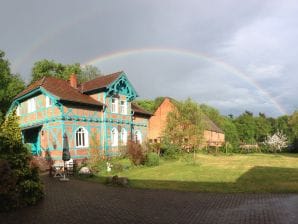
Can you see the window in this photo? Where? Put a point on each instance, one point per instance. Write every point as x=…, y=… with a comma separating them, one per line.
x=114, y=105
x=123, y=107
x=138, y=137
x=31, y=105
x=48, y=101
x=123, y=136
x=82, y=137
x=114, y=137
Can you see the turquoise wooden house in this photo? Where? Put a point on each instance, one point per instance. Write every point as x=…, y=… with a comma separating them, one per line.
x=98, y=114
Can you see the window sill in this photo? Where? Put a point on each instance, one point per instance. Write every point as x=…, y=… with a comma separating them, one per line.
x=81, y=147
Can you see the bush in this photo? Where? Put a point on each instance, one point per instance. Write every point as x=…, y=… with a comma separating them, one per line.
x=152, y=159
x=8, y=196
x=169, y=151
x=20, y=182
x=135, y=153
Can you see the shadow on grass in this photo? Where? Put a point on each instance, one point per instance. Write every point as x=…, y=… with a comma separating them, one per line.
x=257, y=179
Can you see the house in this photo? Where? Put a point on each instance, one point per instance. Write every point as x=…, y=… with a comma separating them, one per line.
x=213, y=135
x=97, y=114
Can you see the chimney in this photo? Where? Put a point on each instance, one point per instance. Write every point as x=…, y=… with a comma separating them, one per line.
x=73, y=81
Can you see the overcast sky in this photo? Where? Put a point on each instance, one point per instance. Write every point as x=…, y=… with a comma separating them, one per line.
x=233, y=55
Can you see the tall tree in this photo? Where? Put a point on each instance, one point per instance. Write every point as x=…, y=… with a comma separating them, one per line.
x=263, y=127
x=63, y=71
x=185, y=125
x=10, y=85
x=90, y=72
x=246, y=127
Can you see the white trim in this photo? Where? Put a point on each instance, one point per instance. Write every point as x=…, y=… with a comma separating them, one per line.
x=31, y=103
x=123, y=136
x=114, y=105
x=18, y=110
x=138, y=136
x=114, y=137
x=123, y=108
x=81, y=138
x=49, y=102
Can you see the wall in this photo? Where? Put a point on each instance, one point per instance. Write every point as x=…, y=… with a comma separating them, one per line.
x=41, y=114
x=157, y=123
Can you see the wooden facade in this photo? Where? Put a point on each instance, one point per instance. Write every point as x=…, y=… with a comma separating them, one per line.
x=96, y=115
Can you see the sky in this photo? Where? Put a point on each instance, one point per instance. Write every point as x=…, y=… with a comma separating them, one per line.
x=230, y=54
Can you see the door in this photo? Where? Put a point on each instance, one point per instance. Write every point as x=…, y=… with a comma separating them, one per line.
x=31, y=137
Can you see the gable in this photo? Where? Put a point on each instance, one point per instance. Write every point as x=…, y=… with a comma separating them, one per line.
x=122, y=86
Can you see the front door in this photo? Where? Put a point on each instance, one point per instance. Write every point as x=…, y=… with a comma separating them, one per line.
x=31, y=137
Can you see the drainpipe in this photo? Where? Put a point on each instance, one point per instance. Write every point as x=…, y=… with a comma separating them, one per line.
x=104, y=123
x=131, y=126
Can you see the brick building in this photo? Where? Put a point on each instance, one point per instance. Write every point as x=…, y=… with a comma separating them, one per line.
x=213, y=135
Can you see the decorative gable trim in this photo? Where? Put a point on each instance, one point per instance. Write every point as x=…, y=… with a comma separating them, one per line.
x=122, y=86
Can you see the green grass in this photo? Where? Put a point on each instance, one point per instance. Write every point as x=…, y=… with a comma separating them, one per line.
x=220, y=173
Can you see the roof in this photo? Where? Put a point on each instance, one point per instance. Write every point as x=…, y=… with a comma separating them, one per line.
x=139, y=110
x=210, y=125
x=100, y=82
x=61, y=89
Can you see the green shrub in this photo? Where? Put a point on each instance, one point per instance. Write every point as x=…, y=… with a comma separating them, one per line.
x=170, y=151
x=20, y=181
x=152, y=159
x=8, y=180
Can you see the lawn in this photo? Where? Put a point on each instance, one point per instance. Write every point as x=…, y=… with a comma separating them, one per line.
x=216, y=173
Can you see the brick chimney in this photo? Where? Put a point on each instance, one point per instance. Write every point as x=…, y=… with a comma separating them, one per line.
x=73, y=81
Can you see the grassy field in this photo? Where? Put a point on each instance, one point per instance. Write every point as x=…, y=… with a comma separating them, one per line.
x=220, y=173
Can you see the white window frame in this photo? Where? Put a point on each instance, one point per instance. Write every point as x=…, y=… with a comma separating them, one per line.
x=114, y=137
x=138, y=136
x=18, y=110
x=123, y=107
x=81, y=138
x=31, y=105
x=49, y=102
x=114, y=105
x=123, y=136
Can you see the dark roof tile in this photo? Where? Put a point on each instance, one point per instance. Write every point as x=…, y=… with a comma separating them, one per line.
x=100, y=82
x=139, y=110
x=61, y=89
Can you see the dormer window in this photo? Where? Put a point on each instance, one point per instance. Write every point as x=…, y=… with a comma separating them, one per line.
x=48, y=101
x=31, y=105
x=114, y=105
x=123, y=107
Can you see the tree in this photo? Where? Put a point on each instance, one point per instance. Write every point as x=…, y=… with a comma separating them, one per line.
x=90, y=72
x=51, y=68
x=10, y=85
x=25, y=187
x=277, y=142
x=293, y=125
x=263, y=127
x=230, y=130
x=185, y=125
x=148, y=105
x=246, y=127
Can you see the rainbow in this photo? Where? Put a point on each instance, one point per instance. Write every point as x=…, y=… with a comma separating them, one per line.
x=200, y=56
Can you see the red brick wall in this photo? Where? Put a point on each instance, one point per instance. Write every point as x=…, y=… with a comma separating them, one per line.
x=158, y=121
x=157, y=124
